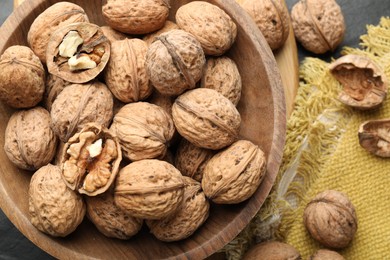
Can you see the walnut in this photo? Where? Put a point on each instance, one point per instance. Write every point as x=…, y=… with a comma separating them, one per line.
x=22, y=77
x=206, y=118
x=168, y=26
x=77, y=52
x=210, y=25
x=29, y=141
x=325, y=254
x=364, y=82
x=54, y=208
x=272, y=18
x=222, y=75
x=113, y=35
x=272, y=250
x=79, y=104
x=54, y=17
x=374, y=136
x=234, y=174
x=191, y=160
x=174, y=62
x=134, y=16
x=149, y=189
x=126, y=77
x=54, y=86
x=143, y=129
x=318, y=24
x=191, y=214
x=330, y=219
x=109, y=219
x=91, y=161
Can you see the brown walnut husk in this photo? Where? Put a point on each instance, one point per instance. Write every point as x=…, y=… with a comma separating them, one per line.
x=174, y=62
x=89, y=173
x=95, y=47
x=134, y=16
x=210, y=25
x=149, y=189
x=191, y=214
x=54, y=17
x=318, y=24
x=272, y=250
x=113, y=35
x=22, y=77
x=79, y=104
x=54, y=86
x=374, y=136
x=125, y=73
x=144, y=130
x=109, y=219
x=29, y=142
x=54, y=208
x=206, y=118
x=168, y=26
x=330, y=218
x=364, y=82
x=325, y=254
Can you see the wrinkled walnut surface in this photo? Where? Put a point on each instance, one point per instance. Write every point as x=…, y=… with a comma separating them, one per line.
x=325, y=254
x=272, y=250
x=374, y=136
x=168, y=26
x=54, y=86
x=113, y=35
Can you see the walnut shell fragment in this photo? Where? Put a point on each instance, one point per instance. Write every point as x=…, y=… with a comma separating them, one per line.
x=234, y=174
x=364, y=82
x=272, y=250
x=191, y=214
x=77, y=52
x=325, y=254
x=91, y=161
x=54, y=208
x=330, y=218
x=374, y=136
x=149, y=189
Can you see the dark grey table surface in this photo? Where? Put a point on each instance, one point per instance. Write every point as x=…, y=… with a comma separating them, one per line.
x=357, y=13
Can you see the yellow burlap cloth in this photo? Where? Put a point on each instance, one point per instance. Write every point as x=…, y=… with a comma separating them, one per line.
x=323, y=152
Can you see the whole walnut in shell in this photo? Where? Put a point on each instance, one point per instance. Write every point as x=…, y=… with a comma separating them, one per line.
x=54, y=208
x=272, y=18
x=272, y=250
x=174, y=62
x=374, y=136
x=222, y=75
x=79, y=104
x=318, y=24
x=113, y=35
x=364, y=83
x=206, y=118
x=29, y=142
x=54, y=17
x=54, y=86
x=135, y=16
x=149, y=189
x=331, y=219
x=211, y=26
x=109, y=219
x=22, y=77
x=191, y=214
x=126, y=77
x=168, y=26
x=234, y=174
x=143, y=130
x=325, y=254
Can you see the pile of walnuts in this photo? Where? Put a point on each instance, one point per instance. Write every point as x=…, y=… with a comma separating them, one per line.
x=130, y=123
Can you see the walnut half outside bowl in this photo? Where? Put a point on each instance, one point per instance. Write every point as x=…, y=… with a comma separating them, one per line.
x=262, y=108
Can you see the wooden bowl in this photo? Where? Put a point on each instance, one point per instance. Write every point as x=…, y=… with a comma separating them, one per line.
x=262, y=108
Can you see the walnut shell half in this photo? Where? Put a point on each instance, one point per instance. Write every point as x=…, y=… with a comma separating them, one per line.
x=364, y=83
x=374, y=136
x=272, y=250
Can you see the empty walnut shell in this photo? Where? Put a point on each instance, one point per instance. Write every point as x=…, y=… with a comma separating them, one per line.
x=113, y=35
x=210, y=25
x=272, y=250
x=54, y=86
x=89, y=56
x=191, y=214
x=325, y=254
x=318, y=24
x=29, y=141
x=234, y=174
x=56, y=16
x=374, y=136
x=149, y=189
x=91, y=161
x=109, y=219
x=22, y=77
x=79, y=104
x=126, y=77
x=54, y=208
x=174, y=62
x=364, y=83
x=206, y=118
x=330, y=219
x=168, y=26
x=143, y=130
